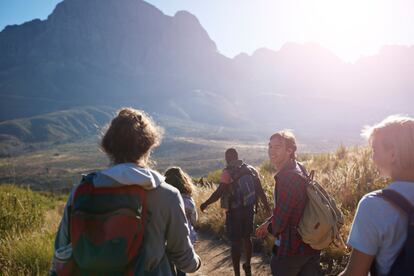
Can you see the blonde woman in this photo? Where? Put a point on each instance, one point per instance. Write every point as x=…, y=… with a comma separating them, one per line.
x=379, y=229
x=176, y=177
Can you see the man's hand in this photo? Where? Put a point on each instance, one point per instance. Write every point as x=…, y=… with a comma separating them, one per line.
x=203, y=206
x=261, y=231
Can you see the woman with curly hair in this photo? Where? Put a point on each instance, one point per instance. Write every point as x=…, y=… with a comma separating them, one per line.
x=128, y=143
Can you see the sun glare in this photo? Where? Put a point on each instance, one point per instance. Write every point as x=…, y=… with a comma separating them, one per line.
x=349, y=28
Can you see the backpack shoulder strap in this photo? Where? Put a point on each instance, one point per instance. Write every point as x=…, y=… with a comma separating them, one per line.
x=87, y=179
x=307, y=178
x=237, y=172
x=397, y=199
x=310, y=175
x=252, y=171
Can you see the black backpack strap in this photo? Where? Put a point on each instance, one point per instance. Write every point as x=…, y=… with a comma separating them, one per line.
x=397, y=199
x=310, y=175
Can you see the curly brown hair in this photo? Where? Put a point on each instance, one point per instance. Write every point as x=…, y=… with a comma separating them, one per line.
x=176, y=177
x=130, y=137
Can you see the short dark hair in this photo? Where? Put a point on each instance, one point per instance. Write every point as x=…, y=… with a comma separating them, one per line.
x=231, y=155
x=130, y=137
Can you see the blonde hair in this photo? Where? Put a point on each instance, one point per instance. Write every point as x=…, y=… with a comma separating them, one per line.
x=397, y=132
x=176, y=177
x=289, y=138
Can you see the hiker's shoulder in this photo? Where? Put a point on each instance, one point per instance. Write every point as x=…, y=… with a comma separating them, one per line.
x=371, y=198
x=252, y=169
x=374, y=202
x=165, y=192
x=189, y=202
x=371, y=205
x=188, y=198
x=225, y=176
x=374, y=216
x=290, y=177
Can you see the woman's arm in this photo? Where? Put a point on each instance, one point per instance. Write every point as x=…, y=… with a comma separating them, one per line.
x=62, y=236
x=179, y=248
x=359, y=264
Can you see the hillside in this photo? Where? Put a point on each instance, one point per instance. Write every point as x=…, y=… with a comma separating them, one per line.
x=59, y=167
x=52, y=128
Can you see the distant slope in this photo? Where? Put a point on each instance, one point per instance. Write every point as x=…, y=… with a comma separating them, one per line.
x=71, y=125
x=57, y=127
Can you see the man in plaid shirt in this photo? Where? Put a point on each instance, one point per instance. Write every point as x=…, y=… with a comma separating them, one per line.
x=291, y=256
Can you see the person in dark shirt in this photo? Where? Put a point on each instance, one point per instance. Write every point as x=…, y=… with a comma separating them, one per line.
x=239, y=217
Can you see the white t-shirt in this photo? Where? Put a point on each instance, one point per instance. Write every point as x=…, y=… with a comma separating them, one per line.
x=380, y=228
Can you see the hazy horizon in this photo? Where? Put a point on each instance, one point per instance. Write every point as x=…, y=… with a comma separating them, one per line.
x=349, y=29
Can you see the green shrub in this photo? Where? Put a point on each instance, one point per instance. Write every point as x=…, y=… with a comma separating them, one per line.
x=214, y=176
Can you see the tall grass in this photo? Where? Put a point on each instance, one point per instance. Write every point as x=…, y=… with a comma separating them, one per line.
x=347, y=174
x=20, y=209
x=28, y=222
x=26, y=254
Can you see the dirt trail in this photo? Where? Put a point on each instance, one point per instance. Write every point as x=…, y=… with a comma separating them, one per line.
x=216, y=259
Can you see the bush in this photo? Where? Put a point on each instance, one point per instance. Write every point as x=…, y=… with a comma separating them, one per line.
x=214, y=176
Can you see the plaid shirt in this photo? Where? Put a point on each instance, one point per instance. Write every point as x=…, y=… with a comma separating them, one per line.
x=290, y=201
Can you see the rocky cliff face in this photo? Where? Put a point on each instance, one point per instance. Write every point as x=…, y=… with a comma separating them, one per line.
x=129, y=34
x=104, y=52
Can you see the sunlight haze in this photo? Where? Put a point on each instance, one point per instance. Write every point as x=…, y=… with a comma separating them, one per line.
x=348, y=28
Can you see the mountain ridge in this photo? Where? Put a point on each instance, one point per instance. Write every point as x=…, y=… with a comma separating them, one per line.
x=128, y=53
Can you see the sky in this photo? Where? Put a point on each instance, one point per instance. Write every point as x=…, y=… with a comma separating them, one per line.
x=349, y=28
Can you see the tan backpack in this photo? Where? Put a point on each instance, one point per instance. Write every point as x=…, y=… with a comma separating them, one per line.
x=321, y=219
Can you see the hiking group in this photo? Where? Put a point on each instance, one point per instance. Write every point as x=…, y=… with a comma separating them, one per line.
x=129, y=219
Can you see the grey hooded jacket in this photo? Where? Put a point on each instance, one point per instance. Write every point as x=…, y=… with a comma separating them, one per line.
x=166, y=237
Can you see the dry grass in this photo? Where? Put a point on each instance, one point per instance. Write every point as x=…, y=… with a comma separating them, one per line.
x=347, y=174
x=26, y=244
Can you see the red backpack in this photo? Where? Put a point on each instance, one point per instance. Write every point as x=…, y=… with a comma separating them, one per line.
x=107, y=226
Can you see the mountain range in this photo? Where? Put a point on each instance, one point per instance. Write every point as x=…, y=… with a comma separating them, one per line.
x=128, y=53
